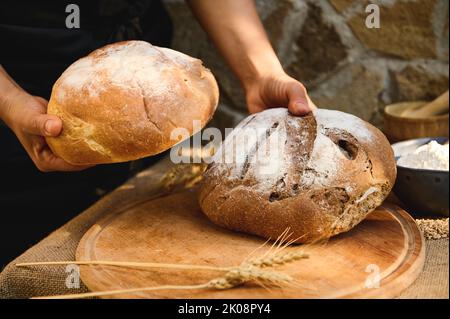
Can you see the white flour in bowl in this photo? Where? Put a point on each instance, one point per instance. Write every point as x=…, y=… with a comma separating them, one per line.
x=433, y=156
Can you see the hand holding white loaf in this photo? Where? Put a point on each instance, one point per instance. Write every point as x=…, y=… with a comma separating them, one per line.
x=319, y=175
x=122, y=101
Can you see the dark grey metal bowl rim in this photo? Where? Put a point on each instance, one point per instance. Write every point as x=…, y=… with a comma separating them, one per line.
x=422, y=170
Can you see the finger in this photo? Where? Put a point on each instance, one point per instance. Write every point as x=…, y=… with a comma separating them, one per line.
x=56, y=163
x=42, y=124
x=46, y=161
x=299, y=103
x=41, y=100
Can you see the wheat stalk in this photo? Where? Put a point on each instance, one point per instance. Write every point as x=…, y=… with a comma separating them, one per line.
x=251, y=269
x=122, y=291
x=124, y=264
x=235, y=277
x=274, y=256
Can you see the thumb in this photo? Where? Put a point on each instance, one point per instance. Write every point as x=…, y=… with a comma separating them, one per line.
x=42, y=124
x=299, y=102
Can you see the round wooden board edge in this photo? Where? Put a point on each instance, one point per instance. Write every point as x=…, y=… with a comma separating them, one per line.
x=404, y=274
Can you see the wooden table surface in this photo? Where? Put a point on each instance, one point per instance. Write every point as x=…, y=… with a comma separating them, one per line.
x=61, y=244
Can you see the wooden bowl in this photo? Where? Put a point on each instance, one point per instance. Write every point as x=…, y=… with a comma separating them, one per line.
x=398, y=128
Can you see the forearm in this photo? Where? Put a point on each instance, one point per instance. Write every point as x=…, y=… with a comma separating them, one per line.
x=238, y=33
x=8, y=87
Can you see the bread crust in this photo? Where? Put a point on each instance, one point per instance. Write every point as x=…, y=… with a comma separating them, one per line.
x=122, y=101
x=334, y=170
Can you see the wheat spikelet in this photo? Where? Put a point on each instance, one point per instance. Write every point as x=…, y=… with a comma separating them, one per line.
x=276, y=254
x=243, y=274
x=278, y=259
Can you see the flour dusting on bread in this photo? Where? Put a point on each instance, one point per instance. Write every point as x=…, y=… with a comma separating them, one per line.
x=136, y=65
x=123, y=101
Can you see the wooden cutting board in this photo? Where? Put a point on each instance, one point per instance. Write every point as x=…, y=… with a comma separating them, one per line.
x=172, y=229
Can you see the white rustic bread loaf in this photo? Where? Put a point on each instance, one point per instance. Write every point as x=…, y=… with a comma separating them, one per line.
x=319, y=175
x=122, y=101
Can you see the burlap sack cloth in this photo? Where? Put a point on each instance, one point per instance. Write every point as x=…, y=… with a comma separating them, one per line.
x=163, y=177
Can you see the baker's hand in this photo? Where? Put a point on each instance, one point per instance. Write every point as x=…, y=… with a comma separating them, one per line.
x=26, y=116
x=278, y=90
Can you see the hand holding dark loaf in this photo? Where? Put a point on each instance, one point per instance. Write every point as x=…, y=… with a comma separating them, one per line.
x=122, y=101
x=319, y=175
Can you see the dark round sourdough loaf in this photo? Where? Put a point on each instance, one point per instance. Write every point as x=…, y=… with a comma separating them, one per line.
x=318, y=175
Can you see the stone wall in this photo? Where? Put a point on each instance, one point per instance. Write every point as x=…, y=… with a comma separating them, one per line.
x=326, y=45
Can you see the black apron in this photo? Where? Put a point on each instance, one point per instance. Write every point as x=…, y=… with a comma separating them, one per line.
x=36, y=48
